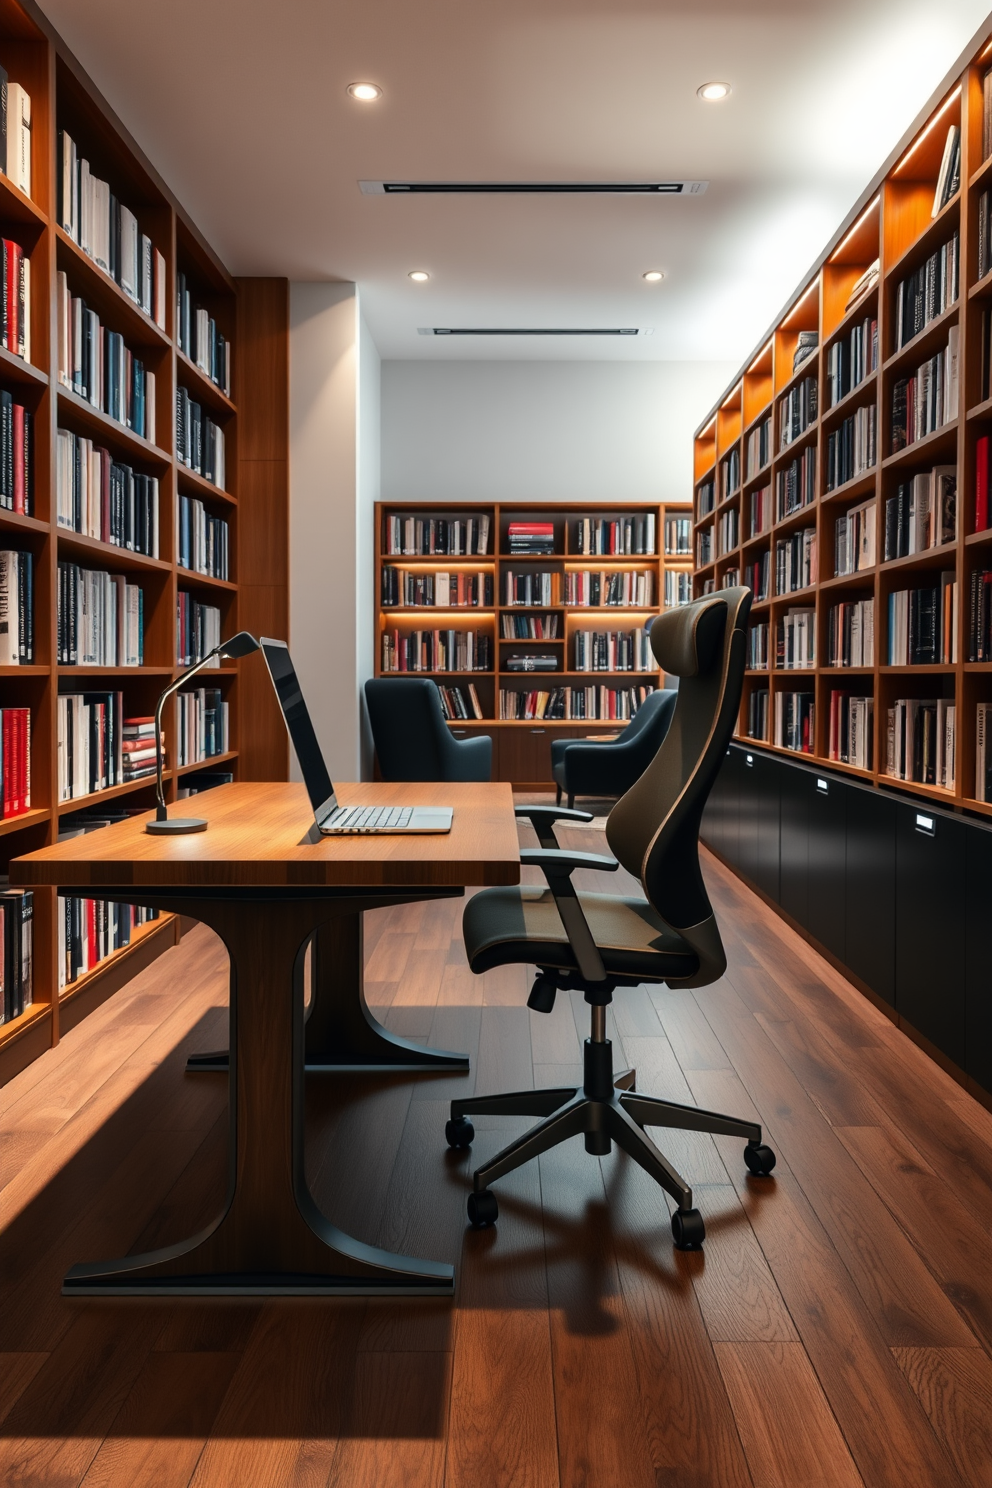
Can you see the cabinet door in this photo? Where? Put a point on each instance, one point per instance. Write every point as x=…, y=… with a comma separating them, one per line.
x=826, y=861
x=767, y=777
x=747, y=822
x=478, y=730
x=711, y=830
x=794, y=831
x=930, y=926
x=525, y=754
x=870, y=908
x=978, y=956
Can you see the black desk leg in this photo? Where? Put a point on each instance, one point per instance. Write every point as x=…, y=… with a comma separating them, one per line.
x=271, y=1238
x=341, y=1032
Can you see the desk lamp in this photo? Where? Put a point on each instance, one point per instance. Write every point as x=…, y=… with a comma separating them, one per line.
x=241, y=644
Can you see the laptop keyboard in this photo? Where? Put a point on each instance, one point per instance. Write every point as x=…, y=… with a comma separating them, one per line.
x=370, y=818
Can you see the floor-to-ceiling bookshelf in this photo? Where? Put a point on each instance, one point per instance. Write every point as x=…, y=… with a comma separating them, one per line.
x=62, y=98
x=522, y=747
x=895, y=223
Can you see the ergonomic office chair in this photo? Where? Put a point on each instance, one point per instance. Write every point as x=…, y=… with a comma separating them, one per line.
x=595, y=943
x=609, y=767
x=412, y=739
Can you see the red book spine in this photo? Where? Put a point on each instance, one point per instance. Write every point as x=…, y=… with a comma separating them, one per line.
x=982, y=483
x=7, y=762
x=25, y=732
x=13, y=297
x=16, y=804
x=20, y=493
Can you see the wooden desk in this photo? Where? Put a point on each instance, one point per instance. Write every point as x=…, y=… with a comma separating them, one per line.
x=262, y=882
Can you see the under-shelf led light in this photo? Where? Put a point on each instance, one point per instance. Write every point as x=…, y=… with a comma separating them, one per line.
x=713, y=92
x=762, y=353
x=929, y=130
x=365, y=92
x=860, y=222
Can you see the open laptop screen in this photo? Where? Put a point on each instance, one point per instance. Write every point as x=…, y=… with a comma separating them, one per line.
x=298, y=722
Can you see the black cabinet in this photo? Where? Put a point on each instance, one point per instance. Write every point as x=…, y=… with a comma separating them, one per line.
x=767, y=776
x=978, y=956
x=747, y=842
x=930, y=926
x=870, y=890
x=794, y=796
x=826, y=858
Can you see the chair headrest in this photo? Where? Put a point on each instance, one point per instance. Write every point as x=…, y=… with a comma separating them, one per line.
x=687, y=641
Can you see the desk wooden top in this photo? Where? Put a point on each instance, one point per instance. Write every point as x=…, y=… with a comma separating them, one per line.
x=258, y=835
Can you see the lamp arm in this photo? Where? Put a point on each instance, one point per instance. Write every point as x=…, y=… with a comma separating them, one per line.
x=161, y=812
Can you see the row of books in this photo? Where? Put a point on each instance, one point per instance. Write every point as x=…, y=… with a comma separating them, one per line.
x=529, y=627
x=757, y=713
x=851, y=447
x=100, y=619
x=927, y=292
x=678, y=588
x=851, y=633
x=199, y=441
x=759, y=511
x=983, y=752
x=851, y=358
x=727, y=531
x=634, y=534
x=197, y=630
x=797, y=411
x=851, y=729
x=16, y=456
x=459, y=536
x=920, y=741
x=757, y=646
x=927, y=399
x=922, y=624
x=202, y=540
x=854, y=539
x=794, y=719
x=613, y=651
x=795, y=641
x=460, y=702
x=531, y=537
x=704, y=547
x=796, y=484
x=15, y=299
x=534, y=587
x=108, y=232
x=759, y=447
x=90, y=930
x=705, y=499
x=436, y=651
x=922, y=514
x=730, y=579
x=101, y=497
x=95, y=363
x=628, y=588
x=203, y=725
x=16, y=951
x=980, y=615
x=400, y=586
x=16, y=607
x=15, y=761
x=757, y=575
x=90, y=743
x=678, y=536
x=200, y=339
x=730, y=474
x=949, y=175
x=600, y=702
x=984, y=234
x=15, y=132
x=796, y=561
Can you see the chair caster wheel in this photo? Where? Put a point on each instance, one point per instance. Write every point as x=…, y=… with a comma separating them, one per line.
x=483, y=1209
x=759, y=1159
x=459, y=1132
x=688, y=1229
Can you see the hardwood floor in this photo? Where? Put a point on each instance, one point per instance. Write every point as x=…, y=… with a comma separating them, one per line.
x=837, y=1330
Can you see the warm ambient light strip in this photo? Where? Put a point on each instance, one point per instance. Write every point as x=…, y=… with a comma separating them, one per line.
x=766, y=348
x=929, y=129
x=725, y=406
x=862, y=219
x=814, y=288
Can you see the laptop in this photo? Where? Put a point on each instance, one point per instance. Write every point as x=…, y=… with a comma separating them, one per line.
x=332, y=819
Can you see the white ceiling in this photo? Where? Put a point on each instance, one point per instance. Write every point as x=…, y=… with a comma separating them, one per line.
x=242, y=106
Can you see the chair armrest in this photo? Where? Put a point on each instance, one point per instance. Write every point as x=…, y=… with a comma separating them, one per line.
x=541, y=818
x=558, y=867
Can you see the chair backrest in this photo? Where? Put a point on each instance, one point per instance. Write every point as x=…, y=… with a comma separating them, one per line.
x=408, y=727
x=654, y=717
x=654, y=829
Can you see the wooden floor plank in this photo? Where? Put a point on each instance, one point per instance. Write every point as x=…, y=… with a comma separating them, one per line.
x=16, y=1373
x=955, y=1388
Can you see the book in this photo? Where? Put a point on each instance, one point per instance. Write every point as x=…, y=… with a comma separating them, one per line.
x=17, y=144
x=197, y=630
x=15, y=761
x=16, y=951
x=100, y=618
x=863, y=285
x=16, y=607
x=202, y=540
x=949, y=176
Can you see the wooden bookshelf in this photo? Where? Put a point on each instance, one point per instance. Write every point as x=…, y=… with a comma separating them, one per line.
x=522, y=747
x=63, y=97
x=892, y=222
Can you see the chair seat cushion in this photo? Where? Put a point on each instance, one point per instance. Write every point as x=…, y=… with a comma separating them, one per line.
x=507, y=926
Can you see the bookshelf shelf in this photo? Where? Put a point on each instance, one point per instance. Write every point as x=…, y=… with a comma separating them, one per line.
x=204, y=388
x=36, y=1013
x=923, y=345
x=15, y=206
x=14, y=368
x=90, y=550
x=190, y=579
x=93, y=977
x=112, y=793
x=210, y=763
x=980, y=410
x=191, y=484
x=24, y=819
x=863, y=393
x=922, y=449
x=860, y=485
x=117, y=436
x=103, y=294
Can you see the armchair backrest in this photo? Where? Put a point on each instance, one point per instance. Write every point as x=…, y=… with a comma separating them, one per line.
x=654, y=829
x=408, y=728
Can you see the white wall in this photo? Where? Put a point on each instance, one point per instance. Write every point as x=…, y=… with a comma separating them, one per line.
x=545, y=431
x=334, y=476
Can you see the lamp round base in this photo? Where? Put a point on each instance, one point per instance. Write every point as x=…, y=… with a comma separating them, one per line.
x=175, y=825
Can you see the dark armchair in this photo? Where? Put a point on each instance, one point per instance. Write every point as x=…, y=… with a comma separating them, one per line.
x=588, y=767
x=412, y=739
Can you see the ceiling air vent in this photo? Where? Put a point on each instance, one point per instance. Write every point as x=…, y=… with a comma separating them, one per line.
x=533, y=188
x=528, y=331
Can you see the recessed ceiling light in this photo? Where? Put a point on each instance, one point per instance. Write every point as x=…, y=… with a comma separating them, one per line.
x=653, y=275
x=419, y=276
x=365, y=92
x=713, y=92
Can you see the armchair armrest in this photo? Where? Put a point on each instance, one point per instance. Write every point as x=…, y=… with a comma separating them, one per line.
x=542, y=817
x=558, y=867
